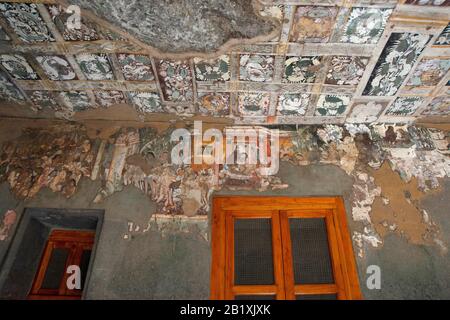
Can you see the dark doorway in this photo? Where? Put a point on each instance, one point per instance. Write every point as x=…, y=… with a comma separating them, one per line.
x=24, y=258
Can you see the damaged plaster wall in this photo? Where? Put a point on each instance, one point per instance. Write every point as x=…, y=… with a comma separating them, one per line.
x=157, y=213
x=176, y=266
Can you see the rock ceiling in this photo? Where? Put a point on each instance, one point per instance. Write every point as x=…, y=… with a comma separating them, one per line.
x=260, y=62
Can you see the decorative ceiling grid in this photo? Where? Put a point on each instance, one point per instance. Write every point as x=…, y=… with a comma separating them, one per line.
x=332, y=62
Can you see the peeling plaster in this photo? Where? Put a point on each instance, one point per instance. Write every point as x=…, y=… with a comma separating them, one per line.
x=141, y=158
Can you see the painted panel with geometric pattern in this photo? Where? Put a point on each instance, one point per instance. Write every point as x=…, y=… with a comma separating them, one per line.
x=313, y=23
x=214, y=103
x=176, y=80
x=136, y=67
x=331, y=105
x=346, y=70
x=395, y=63
x=212, y=69
x=18, y=67
x=404, y=106
x=95, y=66
x=365, y=25
x=256, y=68
x=26, y=22
x=56, y=67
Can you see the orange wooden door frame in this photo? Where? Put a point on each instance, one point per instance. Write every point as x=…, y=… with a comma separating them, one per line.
x=279, y=210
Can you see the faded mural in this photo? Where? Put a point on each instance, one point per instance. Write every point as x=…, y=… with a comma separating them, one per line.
x=141, y=158
x=313, y=23
x=313, y=67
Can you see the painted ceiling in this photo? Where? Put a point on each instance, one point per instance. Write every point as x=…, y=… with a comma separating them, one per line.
x=259, y=62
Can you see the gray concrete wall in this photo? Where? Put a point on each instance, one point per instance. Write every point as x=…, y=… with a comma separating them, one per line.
x=177, y=265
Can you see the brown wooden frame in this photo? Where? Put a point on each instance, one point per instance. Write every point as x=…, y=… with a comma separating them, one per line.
x=279, y=210
x=76, y=242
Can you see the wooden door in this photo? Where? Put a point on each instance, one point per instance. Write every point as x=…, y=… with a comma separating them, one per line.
x=281, y=248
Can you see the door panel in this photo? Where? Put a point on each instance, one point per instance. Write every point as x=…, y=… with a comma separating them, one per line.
x=283, y=248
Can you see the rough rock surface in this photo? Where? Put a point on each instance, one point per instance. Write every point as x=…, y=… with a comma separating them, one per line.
x=182, y=25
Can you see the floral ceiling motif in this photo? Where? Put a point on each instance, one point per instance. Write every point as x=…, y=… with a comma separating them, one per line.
x=404, y=106
x=256, y=68
x=439, y=106
x=18, y=67
x=444, y=37
x=365, y=25
x=214, y=104
x=346, y=70
x=95, y=66
x=395, y=63
x=43, y=100
x=176, y=80
x=366, y=112
x=136, y=67
x=313, y=23
x=301, y=69
x=212, y=69
x=317, y=66
x=146, y=101
x=254, y=104
x=26, y=22
x=293, y=104
x=8, y=90
x=109, y=98
x=332, y=105
x=56, y=67
x=429, y=72
x=60, y=17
